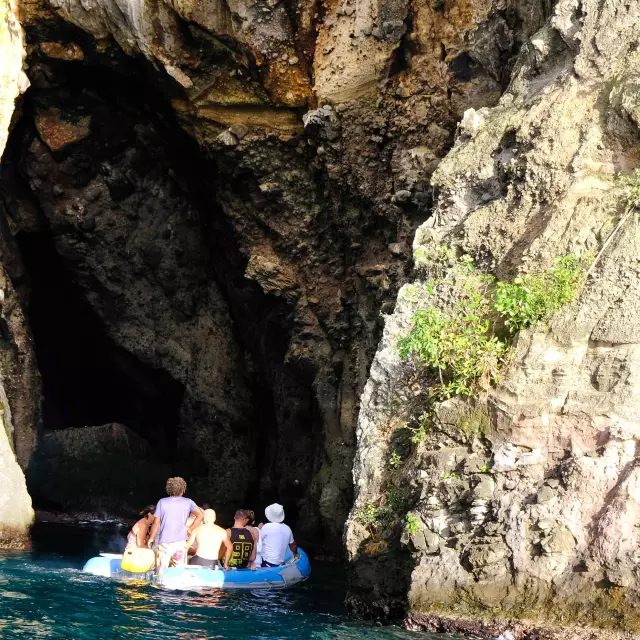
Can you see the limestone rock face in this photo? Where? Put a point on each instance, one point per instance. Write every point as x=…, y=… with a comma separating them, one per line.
x=16, y=513
x=249, y=268
x=14, y=81
x=19, y=392
x=528, y=180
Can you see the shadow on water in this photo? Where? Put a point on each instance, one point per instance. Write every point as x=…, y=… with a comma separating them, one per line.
x=44, y=594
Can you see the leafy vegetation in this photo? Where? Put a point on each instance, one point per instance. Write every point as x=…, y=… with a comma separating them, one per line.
x=466, y=347
x=394, y=460
x=460, y=348
x=631, y=185
x=531, y=298
x=412, y=525
x=419, y=434
x=368, y=514
x=380, y=515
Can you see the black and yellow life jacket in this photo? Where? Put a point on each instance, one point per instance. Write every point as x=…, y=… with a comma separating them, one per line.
x=242, y=542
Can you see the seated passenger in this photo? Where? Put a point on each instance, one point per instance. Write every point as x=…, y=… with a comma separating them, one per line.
x=209, y=536
x=191, y=551
x=276, y=537
x=139, y=534
x=243, y=541
x=256, y=537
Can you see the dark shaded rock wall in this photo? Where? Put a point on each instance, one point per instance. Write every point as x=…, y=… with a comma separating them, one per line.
x=251, y=267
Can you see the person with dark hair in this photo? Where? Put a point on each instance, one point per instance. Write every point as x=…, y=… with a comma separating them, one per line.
x=243, y=542
x=170, y=525
x=251, y=525
x=139, y=533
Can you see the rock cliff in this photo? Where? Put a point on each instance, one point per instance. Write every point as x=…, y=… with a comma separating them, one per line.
x=524, y=500
x=226, y=195
x=221, y=199
x=19, y=384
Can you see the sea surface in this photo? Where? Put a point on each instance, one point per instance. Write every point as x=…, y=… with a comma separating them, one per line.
x=44, y=594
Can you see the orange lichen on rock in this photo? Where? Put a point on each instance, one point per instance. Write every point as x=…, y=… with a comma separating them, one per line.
x=59, y=51
x=57, y=133
x=449, y=27
x=269, y=118
x=288, y=83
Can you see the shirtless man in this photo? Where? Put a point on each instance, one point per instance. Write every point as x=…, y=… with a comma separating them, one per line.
x=209, y=537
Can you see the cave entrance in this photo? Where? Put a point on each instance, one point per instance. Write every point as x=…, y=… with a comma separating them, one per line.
x=149, y=166
x=86, y=378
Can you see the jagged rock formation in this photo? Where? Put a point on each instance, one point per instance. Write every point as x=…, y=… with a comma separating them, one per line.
x=87, y=469
x=226, y=195
x=538, y=519
x=19, y=390
x=239, y=280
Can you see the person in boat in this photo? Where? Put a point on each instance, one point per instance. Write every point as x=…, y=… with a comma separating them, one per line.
x=251, y=525
x=209, y=537
x=139, y=534
x=169, y=529
x=243, y=541
x=276, y=537
x=191, y=549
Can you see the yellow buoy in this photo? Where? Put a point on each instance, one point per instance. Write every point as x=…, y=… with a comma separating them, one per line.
x=138, y=560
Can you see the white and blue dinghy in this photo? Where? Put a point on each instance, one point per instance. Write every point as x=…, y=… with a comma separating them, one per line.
x=193, y=577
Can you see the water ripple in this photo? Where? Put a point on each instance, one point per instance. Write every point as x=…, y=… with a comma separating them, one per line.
x=46, y=595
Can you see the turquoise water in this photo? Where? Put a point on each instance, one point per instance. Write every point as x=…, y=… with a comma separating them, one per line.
x=44, y=594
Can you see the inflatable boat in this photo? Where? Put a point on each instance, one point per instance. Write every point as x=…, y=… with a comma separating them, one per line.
x=194, y=577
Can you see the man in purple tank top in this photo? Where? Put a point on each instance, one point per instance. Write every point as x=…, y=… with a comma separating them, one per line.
x=169, y=527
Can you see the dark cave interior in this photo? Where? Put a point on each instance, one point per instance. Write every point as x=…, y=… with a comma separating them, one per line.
x=87, y=378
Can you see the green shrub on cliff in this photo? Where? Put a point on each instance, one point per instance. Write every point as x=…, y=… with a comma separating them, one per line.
x=531, y=298
x=419, y=434
x=460, y=346
x=461, y=349
x=368, y=514
x=380, y=515
x=412, y=524
x=395, y=460
x=465, y=346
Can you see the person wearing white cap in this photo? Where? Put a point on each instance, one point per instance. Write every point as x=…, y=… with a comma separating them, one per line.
x=276, y=536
